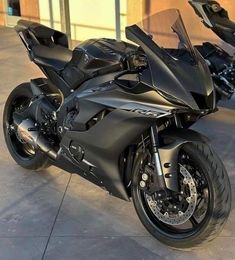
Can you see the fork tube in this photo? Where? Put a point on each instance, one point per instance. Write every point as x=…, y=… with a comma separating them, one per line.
x=177, y=121
x=156, y=157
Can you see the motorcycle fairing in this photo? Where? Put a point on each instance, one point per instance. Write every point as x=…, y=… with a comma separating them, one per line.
x=174, y=77
x=129, y=115
x=104, y=142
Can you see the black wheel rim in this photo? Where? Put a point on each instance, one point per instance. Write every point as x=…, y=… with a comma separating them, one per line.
x=195, y=223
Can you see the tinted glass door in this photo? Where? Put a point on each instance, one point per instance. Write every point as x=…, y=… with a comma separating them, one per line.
x=13, y=12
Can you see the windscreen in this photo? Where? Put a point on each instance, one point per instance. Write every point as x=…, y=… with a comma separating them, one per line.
x=167, y=30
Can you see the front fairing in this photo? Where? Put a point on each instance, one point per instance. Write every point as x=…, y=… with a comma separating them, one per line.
x=186, y=82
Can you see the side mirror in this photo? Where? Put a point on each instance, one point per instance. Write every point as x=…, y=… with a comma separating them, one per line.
x=216, y=8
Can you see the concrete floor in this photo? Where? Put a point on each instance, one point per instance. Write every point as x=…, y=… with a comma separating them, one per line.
x=53, y=215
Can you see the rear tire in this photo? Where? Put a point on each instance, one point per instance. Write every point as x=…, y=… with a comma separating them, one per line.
x=219, y=202
x=38, y=160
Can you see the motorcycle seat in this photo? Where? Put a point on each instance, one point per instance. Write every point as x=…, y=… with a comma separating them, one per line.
x=47, y=47
x=55, y=57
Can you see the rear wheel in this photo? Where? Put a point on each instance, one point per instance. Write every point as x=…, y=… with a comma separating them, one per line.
x=198, y=212
x=23, y=153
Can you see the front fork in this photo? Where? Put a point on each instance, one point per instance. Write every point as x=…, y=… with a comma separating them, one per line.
x=165, y=158
x=153, y=172
x=159, y=178
x=164, y=165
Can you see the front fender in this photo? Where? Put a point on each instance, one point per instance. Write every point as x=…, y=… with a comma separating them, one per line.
x=169, y=152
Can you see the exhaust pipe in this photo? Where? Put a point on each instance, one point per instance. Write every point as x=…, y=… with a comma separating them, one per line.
x=27, y=134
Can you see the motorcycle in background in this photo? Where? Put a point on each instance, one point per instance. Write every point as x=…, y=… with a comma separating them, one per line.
x=221, y=64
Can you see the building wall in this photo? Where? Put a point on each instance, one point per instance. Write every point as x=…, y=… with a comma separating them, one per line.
x=134, y=11
x=2, y=19
x=89, y=18
x=50, y=13
x=30, y=10
x=92, y=19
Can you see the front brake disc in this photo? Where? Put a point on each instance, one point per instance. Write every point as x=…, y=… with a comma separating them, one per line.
x=180, y=217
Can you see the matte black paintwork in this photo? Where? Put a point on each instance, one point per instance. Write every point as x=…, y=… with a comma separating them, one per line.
x=132, y=103
x=105, y=141
x=96, y=57
x=103, y=148
x=171, y=76
x=55, y=57
x=175, y=78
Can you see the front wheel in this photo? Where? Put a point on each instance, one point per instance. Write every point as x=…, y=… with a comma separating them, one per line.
x=196, y=214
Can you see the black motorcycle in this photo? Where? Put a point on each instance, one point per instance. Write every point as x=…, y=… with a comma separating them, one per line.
x=221, y=64
x=118, y=114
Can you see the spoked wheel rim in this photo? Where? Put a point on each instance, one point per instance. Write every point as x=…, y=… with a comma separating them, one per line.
x=202, y=208
x=22, y=149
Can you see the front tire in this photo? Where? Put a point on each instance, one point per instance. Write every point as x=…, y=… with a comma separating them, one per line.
x=216, y=212
x=23, y=154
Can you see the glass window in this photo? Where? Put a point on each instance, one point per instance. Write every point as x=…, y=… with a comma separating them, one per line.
x=14, y=8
